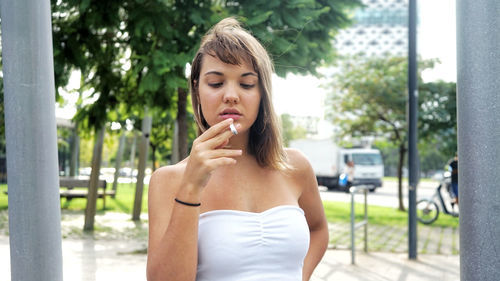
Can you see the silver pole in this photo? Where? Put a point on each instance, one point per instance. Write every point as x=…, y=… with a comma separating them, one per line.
x=118, y=160
x=412, y=130
x=31, y=141
x=132, y=156
x=365, y=192
x=75, y=151
x=478, y=107
x=353, y=237
x=175, y=158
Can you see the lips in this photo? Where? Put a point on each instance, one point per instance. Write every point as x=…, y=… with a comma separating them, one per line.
x=230, y=113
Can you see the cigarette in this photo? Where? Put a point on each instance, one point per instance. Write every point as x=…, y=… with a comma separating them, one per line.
x=233, y=129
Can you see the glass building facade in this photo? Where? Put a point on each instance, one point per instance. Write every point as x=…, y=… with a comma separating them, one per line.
x=381, y=27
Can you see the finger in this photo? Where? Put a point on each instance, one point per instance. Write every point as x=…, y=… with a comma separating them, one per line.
x=220, y=140
x=223, y=144
x=215, y=130
x=220, y=153
x=219, y=162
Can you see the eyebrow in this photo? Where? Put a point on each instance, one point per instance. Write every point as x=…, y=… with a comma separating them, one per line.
x=222, y=74
x=249, y=74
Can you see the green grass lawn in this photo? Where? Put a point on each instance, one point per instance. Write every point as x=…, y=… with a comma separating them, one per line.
x=3, y=197
x=123, y=202
x=340, y=212
x=336, y=212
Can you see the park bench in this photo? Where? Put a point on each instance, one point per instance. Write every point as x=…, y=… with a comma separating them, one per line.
x=78, y=188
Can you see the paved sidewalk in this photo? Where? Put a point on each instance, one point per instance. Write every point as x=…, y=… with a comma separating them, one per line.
x=394, y=239
x=96, y=260
x=116, y=251
x=379, y=266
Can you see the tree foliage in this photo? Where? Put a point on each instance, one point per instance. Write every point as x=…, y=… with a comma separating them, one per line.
x=290, y=131
x=133, y=53
x=370, y=99
x=87, y=37
x=297, y=33
x=2, y=117
x=438, y=116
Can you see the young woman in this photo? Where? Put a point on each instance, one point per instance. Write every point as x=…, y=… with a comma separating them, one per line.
x=240, y=207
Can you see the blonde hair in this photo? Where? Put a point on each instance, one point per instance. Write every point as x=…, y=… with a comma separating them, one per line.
x=232, y=44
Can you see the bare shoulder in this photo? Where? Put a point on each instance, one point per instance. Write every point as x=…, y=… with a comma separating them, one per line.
x=166, y=179
x=310, y=199
x=299, y=163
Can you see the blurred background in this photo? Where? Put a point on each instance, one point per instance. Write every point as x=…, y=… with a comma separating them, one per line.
x=341, y=75
x=339, y=88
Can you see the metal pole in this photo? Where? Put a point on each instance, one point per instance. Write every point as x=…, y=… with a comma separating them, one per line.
x=365, y=191
x=132, y=156
x=353, y=238
x=175, y=158
x=31, y=141
x=118, y=160
x=478, y=106
x=143, y=157
x=75, y=151
x=412, y=130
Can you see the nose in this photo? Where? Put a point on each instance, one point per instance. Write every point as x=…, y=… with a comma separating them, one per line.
x=231, y=95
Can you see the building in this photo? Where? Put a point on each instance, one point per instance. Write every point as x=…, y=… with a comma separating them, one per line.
x=379, y=28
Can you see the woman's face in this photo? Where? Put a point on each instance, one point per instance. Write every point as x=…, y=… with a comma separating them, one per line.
x=228, y=91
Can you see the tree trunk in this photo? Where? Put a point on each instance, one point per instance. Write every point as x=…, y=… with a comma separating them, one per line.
x=141, y=167
x=90, y=209
x=153, y=152
x=181, y=121
x=402, y=152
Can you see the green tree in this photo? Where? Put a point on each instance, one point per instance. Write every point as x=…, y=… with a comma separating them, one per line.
x=297, y=33
x=2, y=117
x=87, y=37
x=370, y=99
x=438, y=116
x=290, y=131
x=134, y=52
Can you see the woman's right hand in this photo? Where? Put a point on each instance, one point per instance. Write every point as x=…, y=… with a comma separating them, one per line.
x=207, y=154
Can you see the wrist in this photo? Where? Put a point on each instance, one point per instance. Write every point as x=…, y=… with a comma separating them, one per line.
x=189, y=193
x=190, y=204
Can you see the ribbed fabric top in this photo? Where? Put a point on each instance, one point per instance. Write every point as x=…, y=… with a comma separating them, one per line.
x=245, y=246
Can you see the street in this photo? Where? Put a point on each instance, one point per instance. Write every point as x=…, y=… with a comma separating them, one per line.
x=386, y=196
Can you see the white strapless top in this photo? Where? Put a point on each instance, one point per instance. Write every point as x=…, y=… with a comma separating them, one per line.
x=245, y=246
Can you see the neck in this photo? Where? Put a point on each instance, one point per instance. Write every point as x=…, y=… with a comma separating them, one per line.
x=239, y=141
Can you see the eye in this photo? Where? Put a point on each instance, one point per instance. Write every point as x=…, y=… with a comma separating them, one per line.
x=247, y=86
x=215, y=85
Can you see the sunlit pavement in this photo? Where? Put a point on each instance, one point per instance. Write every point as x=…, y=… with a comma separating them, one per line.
x=89, y=260
x=92, y=260
x=116, y=251
x=394, y=239
x=336, y=265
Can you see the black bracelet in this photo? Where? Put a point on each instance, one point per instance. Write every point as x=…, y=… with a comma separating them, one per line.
x=187, y=204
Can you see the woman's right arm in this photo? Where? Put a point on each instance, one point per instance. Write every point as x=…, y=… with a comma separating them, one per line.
x=173, y=227
x=173, y=230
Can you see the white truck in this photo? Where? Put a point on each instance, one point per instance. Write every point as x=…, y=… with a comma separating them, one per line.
x=329, y=161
